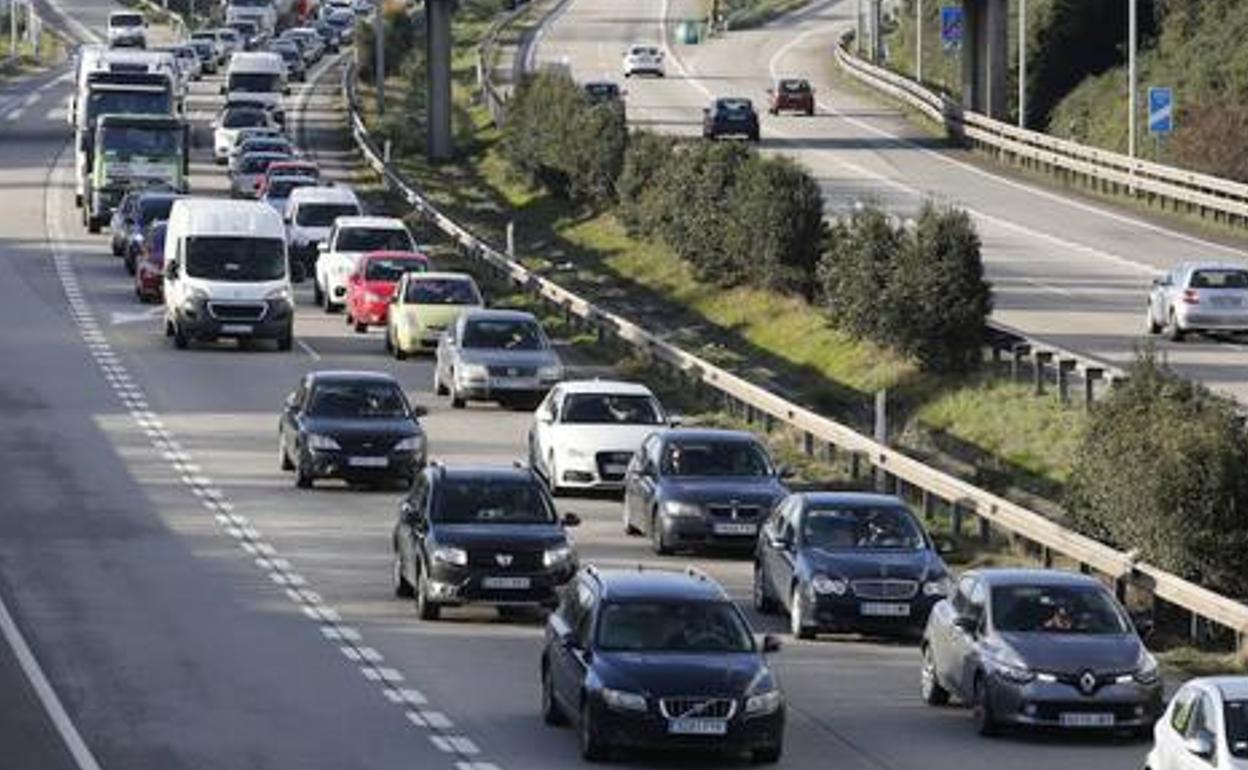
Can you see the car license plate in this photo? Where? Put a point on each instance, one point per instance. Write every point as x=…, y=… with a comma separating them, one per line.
x=508, y=583
x=368, y=462
x=1226, y=302
x=237, y=328
x=513, y=383
x=697, y=727
x=613, y=469
x=735, y=528
x=1086, y=719
x=884, y=609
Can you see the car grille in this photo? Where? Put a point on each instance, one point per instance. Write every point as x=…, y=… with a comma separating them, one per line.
x=736, y=512
x=366, y=445
x=697, y=708
x=521, y=561
x=513, y=371
x=1102, y=680
x=1051, y=711
x=612, y=458
x=885, y=589
x=237, y=311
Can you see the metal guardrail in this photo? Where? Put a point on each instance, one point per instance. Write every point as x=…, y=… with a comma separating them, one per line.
x=495, y=99
x=1198, y=192
x=897, y=468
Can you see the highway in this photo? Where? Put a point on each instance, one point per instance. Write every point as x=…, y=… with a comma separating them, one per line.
x=192, y=609
x=1069, y=271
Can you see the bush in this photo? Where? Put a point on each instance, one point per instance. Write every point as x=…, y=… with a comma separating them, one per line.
x=1164, y=468
x=646, y=155
x=856, y=273
x=401, y=33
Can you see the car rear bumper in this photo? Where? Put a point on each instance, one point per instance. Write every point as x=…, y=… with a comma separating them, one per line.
x=1209, y=319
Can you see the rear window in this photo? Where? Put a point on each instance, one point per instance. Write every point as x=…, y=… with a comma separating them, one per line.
x=245, y=119
x=386, y=269
x=126, y=20
x=255, y=164
x=794, y=86
x=442, y=291
x=503, y=334
x=324, y=214
x=373, y=239
x=1220, y=279
x=283, y=186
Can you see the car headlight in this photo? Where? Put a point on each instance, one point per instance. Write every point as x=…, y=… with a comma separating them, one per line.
x=554, y=372
x=195, y=296
x=822, y=584
x=471, y=372
x=1146, y=671
x=678, y=509
x=321, y=441
x=763, y=703
x=451, y=555
x=937, y=587
x=411, y=444
x=556, y=555
x=281, y=294
x=1017, y=674
x=622, y=700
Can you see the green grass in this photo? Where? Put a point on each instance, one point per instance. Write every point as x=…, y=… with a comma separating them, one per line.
x=1191, y=662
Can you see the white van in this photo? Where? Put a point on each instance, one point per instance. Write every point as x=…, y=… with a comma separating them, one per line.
x=87, y=59
x=226, y=273
x=310, y=213
x=127, y=28
x=258, y=76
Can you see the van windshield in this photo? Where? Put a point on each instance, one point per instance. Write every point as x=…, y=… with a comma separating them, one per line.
x=255, y=82
x=112, y=102
x=230, y=258
x=126, y=20
x=128, y=142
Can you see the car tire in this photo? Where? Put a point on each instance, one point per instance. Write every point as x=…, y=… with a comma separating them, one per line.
x=657, y=542
x=592, y=747
x=929, y=684
x=552, y=477
x=438, y=388
x=179, y=337
x=389, y=343
x=286, y=341
x=797, y=608
x=551, y=713
x=1173, y=330
x=283, y=459
x=318, y=296
x=403, y=588
x=763, y=601
x=754, y=137
x=361, y=328
x=457, y=401
x=981, y=708
x=130, y=262
x=113, y=245
x=303, y=477
x=767, y=756
x=1150, y=323
x=93, y=224
x=630, y=529
x=426, y=608
x=810, y=112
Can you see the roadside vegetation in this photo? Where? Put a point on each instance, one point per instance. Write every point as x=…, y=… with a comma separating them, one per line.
x=31, y=51
x=744, y=14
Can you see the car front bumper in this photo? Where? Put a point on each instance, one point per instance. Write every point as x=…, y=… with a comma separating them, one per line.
x=493, y=390
x=196, y=322
x=703, y=531
x=1047, y=704
x=637, y=730
x=455, y=585
x=336, y=463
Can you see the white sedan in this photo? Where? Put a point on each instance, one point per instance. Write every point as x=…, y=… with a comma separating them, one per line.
x=339, y=254
x=1205, y=727
x=643, y=59
x=585, y=432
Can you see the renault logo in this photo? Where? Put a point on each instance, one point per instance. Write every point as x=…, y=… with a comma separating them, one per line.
x=503, y=559
x=1087, y=682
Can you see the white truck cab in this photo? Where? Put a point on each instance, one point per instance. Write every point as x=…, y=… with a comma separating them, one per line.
x=226, y=273
x=258, y=76
x=349, y=239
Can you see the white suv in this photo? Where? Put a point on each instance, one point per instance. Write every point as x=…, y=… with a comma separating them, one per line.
x=644, y=58
x=349, y=239
x=310, y=214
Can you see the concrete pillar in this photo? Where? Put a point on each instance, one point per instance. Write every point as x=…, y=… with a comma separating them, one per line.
x=438, y=51
x=985, y=56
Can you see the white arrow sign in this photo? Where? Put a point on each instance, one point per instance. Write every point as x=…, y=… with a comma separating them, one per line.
x=131, y=317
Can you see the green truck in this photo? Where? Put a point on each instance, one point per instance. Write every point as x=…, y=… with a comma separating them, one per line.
x=131, y=151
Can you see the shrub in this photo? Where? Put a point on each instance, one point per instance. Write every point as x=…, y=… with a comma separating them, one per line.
x=646, y=155
x=1164, y=468
x=401, y=34
x=856, y=272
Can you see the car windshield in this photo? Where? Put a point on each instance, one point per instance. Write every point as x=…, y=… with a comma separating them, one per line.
x=245, y=119
x=255, y=82
x=256, y=164
x=392, y=269
x=283, y=186
x=126, y=142
x=503, y=334
x=230, y=258
x=714, y=458
x=1235, y=712
x=357, y=400
x=126, y=20
x=290, y=54
x=324, y=214
x=610, y=409
x=706, y=626
x=1220, y=279
x=602, y=91
x=250, y=3
x=116, y=102
x=1056, y=609
x=202, y=47
x=441, y=291
x=228, y=34
x=794, y=86
x=491, y=501
x=153, y=209
x=373, y=239
x=861, y=528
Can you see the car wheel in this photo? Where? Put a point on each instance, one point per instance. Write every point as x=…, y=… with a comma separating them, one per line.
x=402, y=587
x=1174, y=331
x=551, y=713
x=287, y=340
x=112, y=242
x=552, y=477
x=426, y=608
x=438, y=388
x=389, y=343
x=361, y=328
x=1150, y=323
x=657, y=541
x=592, y=747
x=985, y=722
x=810, y=112
x=754, y=137
x=797, y=615
x=179, y=337
x=303, y=476
x=283, y=459
x=929, y=686
x=630, y=529
x=767, y=756
x=318, y=296
x=457, y=401
x=762, y=600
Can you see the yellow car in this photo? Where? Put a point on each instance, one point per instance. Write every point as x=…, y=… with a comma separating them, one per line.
x=423, y=306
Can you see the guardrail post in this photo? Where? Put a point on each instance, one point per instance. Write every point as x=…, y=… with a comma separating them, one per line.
x=1046, y=557
x=1043, y=357
x=855, y=465
x=1017, y=353
x=511, y=239
x=385, y=152
x=1064, y=367
x=929, y=505
x=985, y=529
x=1090, y=377
x=808, y=444
x=955, y=520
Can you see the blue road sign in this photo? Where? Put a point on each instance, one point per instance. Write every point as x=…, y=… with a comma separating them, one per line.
x=951, y=18
x=1160, y=111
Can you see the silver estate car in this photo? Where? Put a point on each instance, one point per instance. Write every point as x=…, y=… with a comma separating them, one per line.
x=496, y=355
x=1199, y=297
x=1039, y=647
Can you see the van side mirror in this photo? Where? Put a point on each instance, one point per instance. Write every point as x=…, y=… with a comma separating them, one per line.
x=322, y=247
x=286, y=90
x=571, y=520
x=223, y=89
x=419, y=410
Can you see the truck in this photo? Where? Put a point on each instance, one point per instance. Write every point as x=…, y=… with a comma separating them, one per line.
x=135, y=151
x=262, y=12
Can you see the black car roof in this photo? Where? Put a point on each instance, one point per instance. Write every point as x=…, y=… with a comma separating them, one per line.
x=642, y=584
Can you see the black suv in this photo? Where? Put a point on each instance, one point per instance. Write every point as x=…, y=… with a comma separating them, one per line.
x=730, y=116
x=653, y=658
x=480, y=535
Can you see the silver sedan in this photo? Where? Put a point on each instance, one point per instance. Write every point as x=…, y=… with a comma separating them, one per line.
x=496, y=355
x=1199, y=297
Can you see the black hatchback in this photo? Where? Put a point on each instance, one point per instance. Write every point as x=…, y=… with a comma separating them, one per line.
x=480, y=535
x=659, y=659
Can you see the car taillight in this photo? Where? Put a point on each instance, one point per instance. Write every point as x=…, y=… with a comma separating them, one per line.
x=1191, y=297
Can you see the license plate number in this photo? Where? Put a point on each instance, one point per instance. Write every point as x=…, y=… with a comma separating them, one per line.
x=1226, y=302
x=514, y=383
x=884, y=609
x=614, y=469
x=735, y=528
x=368, y=462
x=237, y=328
x=1084, y=719
x=508, y=583
x=697, y=727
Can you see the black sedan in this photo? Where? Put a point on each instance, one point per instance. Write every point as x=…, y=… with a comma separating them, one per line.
x=356, y=426
x=699, y=487
x=841, y=561
x=730, y=116
x=480, y=536
x=1043, y=648
x=656, y=659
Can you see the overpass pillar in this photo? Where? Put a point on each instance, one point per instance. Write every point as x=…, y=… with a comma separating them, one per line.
x=439, y=145
x=985, y=56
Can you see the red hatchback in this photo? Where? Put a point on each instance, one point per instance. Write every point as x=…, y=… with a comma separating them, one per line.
x=372, y=284
x=149, y=265
x=792, y=94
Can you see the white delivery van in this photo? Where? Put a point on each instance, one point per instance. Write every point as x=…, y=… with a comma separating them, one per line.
x=226, y=273
x=310, y=213
x=258, y=76
x=127, y=28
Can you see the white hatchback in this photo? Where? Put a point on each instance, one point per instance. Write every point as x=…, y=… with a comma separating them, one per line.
x=644, y=59
x=1205, y=727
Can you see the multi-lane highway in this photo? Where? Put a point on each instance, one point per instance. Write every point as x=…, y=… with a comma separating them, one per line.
x=191, y=609
x=1070, y=271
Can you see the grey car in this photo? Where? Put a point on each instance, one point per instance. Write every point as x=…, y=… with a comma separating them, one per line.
x=691, y=487
x=1199, y=297
x=496, y=355
x=249, y=171
x=1033, y=647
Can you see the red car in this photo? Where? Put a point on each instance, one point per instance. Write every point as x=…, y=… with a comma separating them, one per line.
x=791, y=94
x=149, y=266
x=287, y=168
x=372, y=284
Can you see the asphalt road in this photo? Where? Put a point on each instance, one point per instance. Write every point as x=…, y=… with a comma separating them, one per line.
x=1069, y=271
x=193, y=609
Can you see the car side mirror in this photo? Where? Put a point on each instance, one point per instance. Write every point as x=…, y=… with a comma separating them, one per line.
x=779, y=542
x=171, y=270
x=291, y=401
x=394, y=298
x=1200, y=744
x=571, y=520
x=771, y=643
x=944, y=547
x=968, y=623
x=223, y=89
x=1144, y=623
x=419, y=410
x=771, y=90
x=676, y=420
x=286, y=90
x=785, y=472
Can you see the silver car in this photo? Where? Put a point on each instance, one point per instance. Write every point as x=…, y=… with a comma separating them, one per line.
x=1199, y=297
x=246, y=175
x=496, y=355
